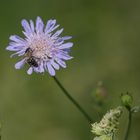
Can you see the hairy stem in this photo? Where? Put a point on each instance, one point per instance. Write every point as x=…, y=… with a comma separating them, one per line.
x=129, y=124
x=73, y=100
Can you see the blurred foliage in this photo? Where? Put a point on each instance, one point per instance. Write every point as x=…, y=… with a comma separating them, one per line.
x=106, y=37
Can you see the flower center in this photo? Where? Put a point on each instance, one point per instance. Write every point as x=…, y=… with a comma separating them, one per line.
x=41, y=47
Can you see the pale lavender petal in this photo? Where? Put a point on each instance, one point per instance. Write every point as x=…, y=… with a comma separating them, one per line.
x=55, y=27
x=50, y=26
x=39, y=25
x=20, y=64
x=64, y=56
x=66, y=45
x=17, y=39
x=17, y=44
x=66, y=37
x=58, y=33
x=59, y=41
x=14, y=48
x=32, y=25
x=19, y=53
x=61, y=62
x=26, y=34
x=55, y=65
x=41, y=67
x=30, y=71
x=26, y=26
x=36, y=69
x=50, y=69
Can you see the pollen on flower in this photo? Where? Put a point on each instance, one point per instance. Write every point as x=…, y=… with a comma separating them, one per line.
x=42, y=49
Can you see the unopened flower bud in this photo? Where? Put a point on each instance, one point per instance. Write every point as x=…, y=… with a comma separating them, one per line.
x=127, y=100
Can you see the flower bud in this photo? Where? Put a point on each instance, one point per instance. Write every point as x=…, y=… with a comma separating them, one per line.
x=127, y=100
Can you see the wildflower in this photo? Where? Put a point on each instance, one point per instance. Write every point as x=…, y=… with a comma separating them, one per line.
x=42, y=48
x=107, y=127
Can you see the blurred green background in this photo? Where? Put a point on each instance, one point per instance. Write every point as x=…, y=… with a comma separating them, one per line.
x=106, y=36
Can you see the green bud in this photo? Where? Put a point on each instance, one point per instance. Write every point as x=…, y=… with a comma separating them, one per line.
x=127, y=100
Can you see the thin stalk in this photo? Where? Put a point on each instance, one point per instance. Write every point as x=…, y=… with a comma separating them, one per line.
x=129, y=124
x=72, y=100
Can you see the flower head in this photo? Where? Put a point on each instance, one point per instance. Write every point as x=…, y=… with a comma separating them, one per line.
x=42, y=48
x=108, y=125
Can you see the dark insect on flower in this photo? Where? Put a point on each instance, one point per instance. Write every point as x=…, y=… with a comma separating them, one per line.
x=28, y=50
x=31, y=60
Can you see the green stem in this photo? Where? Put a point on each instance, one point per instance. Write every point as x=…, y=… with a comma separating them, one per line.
x=73, y=100
x=129, y=124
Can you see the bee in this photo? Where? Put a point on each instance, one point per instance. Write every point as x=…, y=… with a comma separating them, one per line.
x=31, y=61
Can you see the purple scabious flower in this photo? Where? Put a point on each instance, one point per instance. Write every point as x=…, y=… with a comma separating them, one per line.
x=42, y=49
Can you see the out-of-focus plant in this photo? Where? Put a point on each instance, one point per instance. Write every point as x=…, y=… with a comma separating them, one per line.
x=100, y=93
x=99, y=97
x=107, y=127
